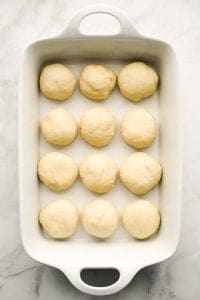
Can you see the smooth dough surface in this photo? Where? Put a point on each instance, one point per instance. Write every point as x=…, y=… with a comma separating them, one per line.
x=59, y=218
x=140, y=173
x=97, y=126
x=57, y=171
x=137, y=81
x=138, y=128
x=57, y=82
x=98, y=173
x=100, y=218
x=141, y=219
x=59, y=127
x=97, y=81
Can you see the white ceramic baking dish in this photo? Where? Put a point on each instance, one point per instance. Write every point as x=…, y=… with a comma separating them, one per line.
x=81, y=252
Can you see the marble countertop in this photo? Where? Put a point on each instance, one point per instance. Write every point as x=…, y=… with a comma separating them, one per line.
x=176, y=22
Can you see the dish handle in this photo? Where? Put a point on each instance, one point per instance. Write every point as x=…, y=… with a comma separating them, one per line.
x=117, y=283
x=126, y=27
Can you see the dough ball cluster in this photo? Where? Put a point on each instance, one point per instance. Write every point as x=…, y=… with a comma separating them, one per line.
x=138, y=128
x=137, y=81
x=141, y=219
x=100, y=218
x=59, y=219
x=59, y=127
x=57, y=82
x=97, y=82
x=57, y=171
x=98, y=173
x=97, y=126
x=140, y=173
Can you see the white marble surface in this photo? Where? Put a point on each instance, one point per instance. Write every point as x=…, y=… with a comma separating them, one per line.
x=177, y=22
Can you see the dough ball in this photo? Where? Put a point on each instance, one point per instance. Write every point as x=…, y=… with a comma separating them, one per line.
x=137, y=81
x=97, y=127
x=59, y=219
x=98, y=173
x=100, y=218
x=57, y=82
x=59, y=127
x=57, y=171
x=141, y=219
x=140, y=173
x=138, y=128
x=97, y=82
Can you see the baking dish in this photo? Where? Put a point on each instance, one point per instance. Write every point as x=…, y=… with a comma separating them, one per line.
x=81, y=252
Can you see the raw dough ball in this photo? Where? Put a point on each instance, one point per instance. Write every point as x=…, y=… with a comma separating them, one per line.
x=57, y=171
x=138, y=128
x=57, y=82
x=59, y=127
x=59, y=219
x=141, y=219
x=98, y=173
x=140, y=173
x=97, y=82
x=137, y=81
x=97, y=127
x=100, y=218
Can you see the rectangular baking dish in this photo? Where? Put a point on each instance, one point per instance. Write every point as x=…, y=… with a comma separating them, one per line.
x=120, y=252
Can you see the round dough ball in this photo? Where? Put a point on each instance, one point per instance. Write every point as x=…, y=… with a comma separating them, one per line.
x=59, y=127
x=98, y=173
x=140, y=173
x=97, y=82
x=57, y=82
x=57, y=171
x=100, y=218
x=137, y=81
x=141, y=219
x=59, y=219
x=138, y=128
x=97, y=127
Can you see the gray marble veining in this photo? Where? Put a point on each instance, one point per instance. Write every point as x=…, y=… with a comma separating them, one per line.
x=178, y=23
